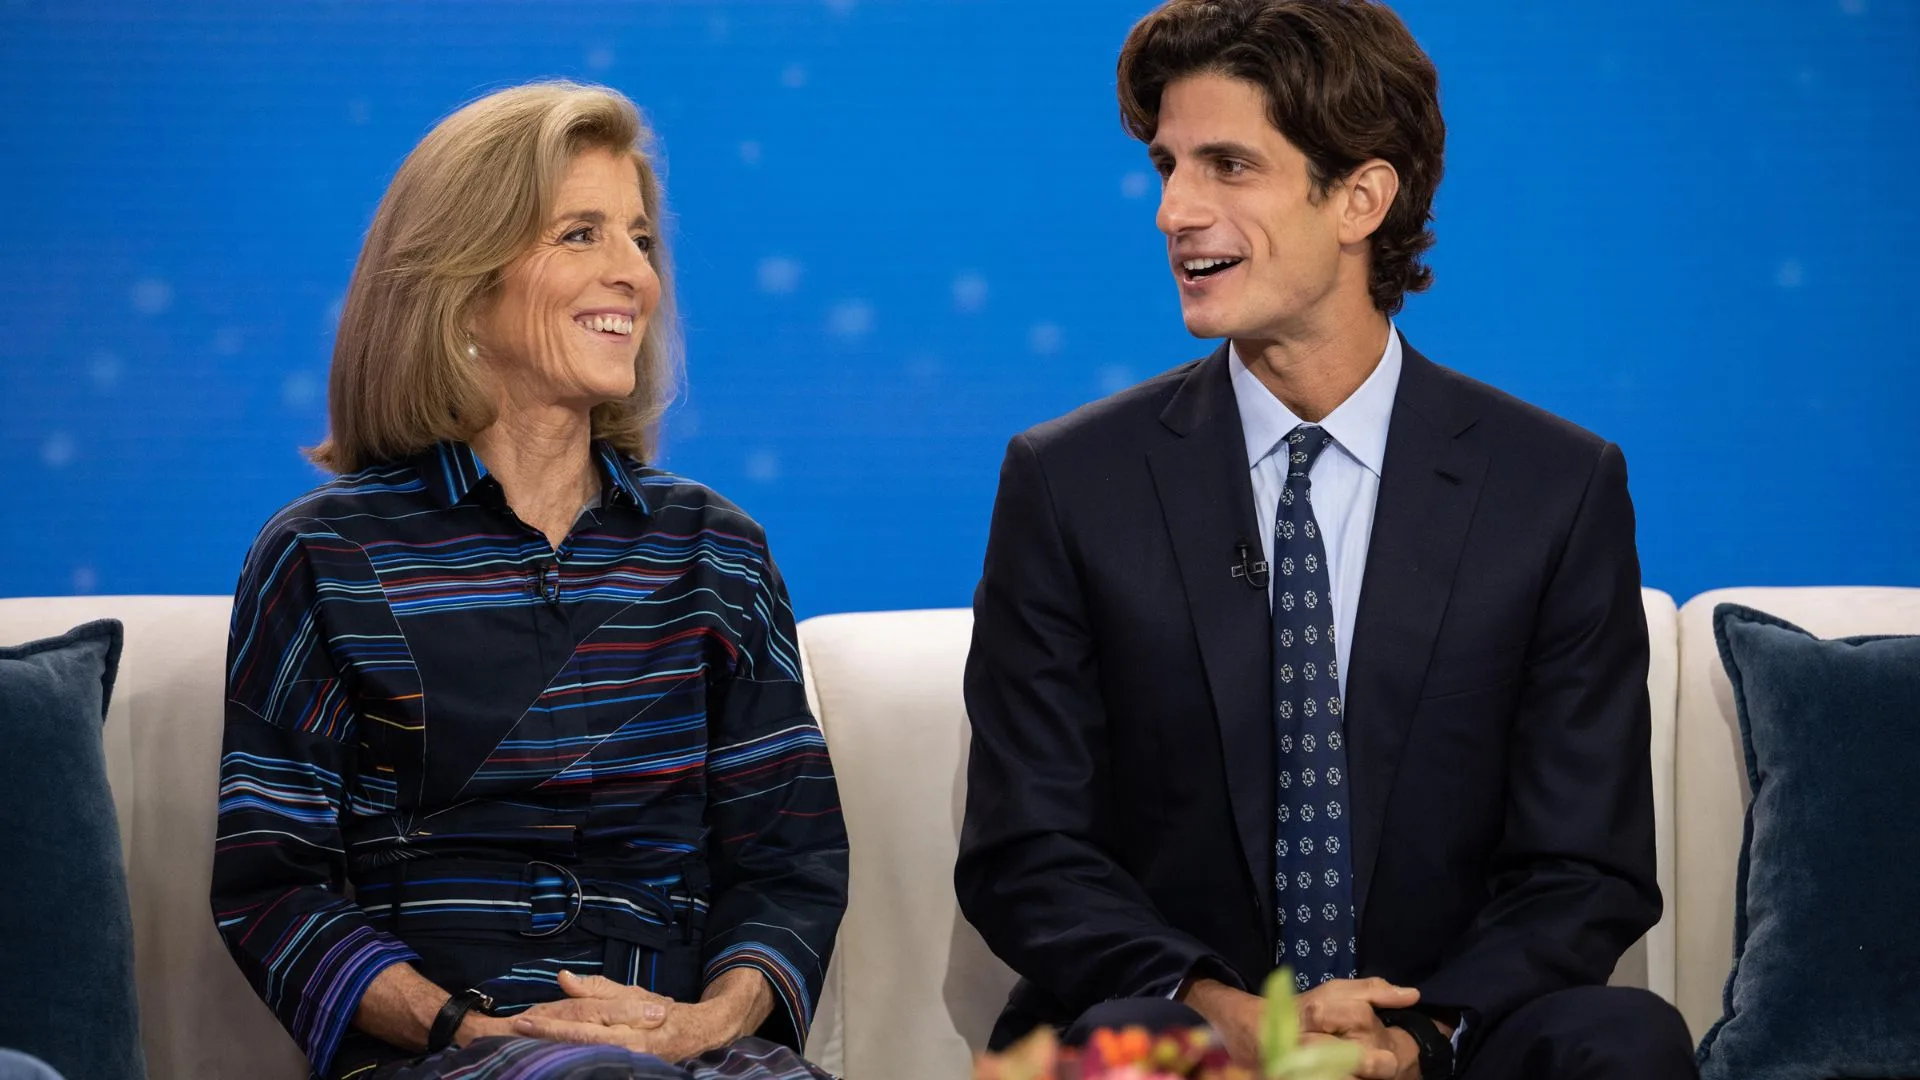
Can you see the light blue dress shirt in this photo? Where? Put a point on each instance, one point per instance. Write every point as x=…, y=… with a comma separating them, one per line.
x=1346, y=482
x=1346, y=477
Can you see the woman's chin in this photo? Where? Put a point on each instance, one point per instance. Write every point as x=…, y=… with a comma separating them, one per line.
x=579, y=399
x=619, y=389
x=604, y=380
x=605, y=396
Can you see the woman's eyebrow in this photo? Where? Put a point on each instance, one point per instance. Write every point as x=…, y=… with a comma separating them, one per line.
x=596, y=217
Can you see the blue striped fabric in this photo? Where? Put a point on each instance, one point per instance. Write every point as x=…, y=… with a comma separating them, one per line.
x=419, y=683
x=529, y=1059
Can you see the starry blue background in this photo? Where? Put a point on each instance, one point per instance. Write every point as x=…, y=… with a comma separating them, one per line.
x=907, y=230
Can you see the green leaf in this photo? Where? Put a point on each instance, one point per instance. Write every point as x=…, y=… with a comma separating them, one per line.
x=1329, y=1060
x=1279, y=1024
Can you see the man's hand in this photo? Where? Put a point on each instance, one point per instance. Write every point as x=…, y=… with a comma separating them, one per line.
x=1344, y=1009
x=1383, y=1055
x=1341, y=1009
x=1233, y=1014
x=734, y=1005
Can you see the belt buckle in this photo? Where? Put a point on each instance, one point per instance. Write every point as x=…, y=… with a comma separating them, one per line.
x=576, y=899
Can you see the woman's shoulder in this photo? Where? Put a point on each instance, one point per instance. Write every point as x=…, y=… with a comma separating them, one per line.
x=678, y=504
x=372, y=490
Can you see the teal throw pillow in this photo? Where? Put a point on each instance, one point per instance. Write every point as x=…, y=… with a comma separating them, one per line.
x=1826, y=961
x=66, y=933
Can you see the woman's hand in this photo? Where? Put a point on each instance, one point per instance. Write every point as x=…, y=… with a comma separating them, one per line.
x=477, y=1025
x=592, y=999
x=599, y=1010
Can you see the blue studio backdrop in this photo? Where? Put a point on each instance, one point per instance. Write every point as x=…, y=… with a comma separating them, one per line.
x=906, y=230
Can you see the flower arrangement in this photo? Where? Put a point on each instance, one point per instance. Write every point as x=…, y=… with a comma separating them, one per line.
x=1194, y=1054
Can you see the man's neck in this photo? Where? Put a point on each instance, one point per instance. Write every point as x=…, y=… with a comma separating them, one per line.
x=1313, y=371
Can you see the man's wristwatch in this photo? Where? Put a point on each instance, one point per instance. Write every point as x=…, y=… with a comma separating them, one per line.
x=1436, y=1050
x=440, y=1035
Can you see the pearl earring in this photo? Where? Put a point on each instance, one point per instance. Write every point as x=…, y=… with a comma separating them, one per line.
x=473, y=351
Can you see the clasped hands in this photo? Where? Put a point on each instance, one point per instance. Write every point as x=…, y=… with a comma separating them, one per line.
x=599, y=1010
x=1339, y=1009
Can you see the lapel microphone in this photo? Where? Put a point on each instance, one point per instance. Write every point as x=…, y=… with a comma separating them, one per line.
x=1255, y=573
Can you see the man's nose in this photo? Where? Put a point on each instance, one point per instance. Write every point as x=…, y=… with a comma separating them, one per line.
x=1182, y=207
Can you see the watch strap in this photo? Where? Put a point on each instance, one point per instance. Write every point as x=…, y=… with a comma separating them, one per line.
x=1436, y=1050
x=447, y=1022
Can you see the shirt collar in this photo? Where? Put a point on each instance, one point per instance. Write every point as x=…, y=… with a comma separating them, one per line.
x=1358, y=425
x=451, y=470
x=617, y=468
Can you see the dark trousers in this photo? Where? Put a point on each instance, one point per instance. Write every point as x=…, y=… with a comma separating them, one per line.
x=1587, y=1033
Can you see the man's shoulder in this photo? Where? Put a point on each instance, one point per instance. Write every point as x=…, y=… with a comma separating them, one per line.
x=1506, y=424
x=1122, y=419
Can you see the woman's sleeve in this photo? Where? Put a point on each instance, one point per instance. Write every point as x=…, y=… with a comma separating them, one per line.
x=778, y=845
x=279, y=863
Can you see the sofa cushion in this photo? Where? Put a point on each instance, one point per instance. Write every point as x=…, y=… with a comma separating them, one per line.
x=910, y=980
x=66, y=932
x=1826, y=967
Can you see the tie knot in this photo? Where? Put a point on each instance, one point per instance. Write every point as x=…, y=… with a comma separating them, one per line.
x=1304, y=445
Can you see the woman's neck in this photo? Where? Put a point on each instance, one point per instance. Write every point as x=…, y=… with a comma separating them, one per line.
x=543, y=460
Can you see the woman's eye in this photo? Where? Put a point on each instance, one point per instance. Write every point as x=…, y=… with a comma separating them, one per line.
x=644, y=242
x=579, y=236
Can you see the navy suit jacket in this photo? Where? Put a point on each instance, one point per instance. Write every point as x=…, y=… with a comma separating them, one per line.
x=1119, y=825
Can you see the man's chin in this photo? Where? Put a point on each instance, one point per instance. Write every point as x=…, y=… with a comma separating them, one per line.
x=1206, y=325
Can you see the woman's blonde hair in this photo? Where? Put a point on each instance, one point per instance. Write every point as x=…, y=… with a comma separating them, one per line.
x=465, y=204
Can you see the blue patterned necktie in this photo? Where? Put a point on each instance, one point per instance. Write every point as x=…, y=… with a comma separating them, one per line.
x=1313, y=893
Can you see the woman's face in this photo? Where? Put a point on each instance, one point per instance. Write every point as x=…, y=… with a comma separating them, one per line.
x=565, y=325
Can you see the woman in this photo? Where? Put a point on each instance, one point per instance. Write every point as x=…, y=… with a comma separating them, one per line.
x=519, y=776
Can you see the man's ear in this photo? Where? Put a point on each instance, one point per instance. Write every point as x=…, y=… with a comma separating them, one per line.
x=1369, y=189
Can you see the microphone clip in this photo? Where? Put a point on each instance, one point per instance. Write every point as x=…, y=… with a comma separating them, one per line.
x=1255, y=573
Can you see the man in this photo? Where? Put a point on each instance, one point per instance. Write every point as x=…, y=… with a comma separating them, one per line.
x=1312, y=652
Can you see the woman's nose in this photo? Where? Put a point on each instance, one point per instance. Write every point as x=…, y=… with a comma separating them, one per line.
x=632, y=266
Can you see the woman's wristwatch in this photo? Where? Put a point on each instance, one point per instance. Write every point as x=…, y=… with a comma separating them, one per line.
x=440, y=1035
x=1436, y=1050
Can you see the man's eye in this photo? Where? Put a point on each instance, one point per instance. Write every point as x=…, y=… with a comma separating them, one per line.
x=1232, y=167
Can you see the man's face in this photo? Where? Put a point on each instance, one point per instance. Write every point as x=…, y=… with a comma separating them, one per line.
x=1253, y=254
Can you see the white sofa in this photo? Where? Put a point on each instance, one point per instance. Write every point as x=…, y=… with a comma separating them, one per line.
x=912, y=990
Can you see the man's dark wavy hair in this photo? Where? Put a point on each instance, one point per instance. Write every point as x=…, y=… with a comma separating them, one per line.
x=1345, y=82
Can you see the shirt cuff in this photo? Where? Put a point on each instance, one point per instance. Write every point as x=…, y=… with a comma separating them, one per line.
x=789, y=988
x=1207, y=967
x=328, y=1008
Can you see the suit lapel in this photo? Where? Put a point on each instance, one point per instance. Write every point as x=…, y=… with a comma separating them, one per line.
x=1206, y=492
x=1429, y=484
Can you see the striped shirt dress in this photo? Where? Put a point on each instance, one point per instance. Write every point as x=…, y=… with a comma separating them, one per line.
x=449, y=744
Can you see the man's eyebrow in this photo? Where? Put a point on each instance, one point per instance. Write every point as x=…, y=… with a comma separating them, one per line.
x=1158, y=152
x=1226, y=149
